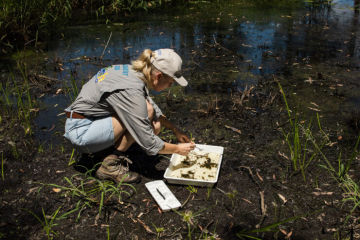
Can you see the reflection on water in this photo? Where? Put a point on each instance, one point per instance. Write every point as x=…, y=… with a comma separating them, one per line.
x=292, y=42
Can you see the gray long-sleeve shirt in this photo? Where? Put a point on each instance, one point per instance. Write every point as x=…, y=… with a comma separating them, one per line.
x=119, y=90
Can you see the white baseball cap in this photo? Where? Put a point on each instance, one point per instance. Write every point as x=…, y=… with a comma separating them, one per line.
x=169, y=62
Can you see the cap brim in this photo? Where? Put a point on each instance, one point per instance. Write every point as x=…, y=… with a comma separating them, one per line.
x=181, y=81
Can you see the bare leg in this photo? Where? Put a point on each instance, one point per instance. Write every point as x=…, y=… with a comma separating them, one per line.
x=124, y=142
x=123, y=139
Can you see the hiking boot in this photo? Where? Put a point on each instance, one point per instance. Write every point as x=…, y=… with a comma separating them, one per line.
x=116, y=168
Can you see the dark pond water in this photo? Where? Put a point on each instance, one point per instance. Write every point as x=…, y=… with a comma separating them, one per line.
x=295, y=43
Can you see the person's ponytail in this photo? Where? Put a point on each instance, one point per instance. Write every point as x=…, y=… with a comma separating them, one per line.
x=143, y=64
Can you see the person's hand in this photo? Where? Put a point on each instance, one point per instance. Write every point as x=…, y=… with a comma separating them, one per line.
x=181, y=137
x=185, y=148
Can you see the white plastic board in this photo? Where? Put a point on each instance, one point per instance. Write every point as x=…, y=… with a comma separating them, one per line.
x=195, y=182
x=162, y=195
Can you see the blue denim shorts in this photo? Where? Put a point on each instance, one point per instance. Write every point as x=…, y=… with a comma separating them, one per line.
x=90, y=135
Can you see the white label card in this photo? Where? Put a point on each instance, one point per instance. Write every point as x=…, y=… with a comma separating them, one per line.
x=162, y=195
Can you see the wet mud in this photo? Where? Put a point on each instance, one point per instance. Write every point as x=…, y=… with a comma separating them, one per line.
x=256, y=187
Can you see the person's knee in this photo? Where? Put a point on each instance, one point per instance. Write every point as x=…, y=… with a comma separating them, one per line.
x=118, y=127
x=151, y=112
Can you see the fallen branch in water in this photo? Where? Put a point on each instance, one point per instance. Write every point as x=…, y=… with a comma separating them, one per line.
x=226, y=49
x=106, y=46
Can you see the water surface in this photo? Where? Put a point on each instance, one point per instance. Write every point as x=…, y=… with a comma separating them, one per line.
x=295, y=43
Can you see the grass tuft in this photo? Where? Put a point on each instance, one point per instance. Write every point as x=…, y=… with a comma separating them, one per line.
x=88, y=191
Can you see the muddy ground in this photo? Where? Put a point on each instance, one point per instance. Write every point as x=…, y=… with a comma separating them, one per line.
x=257, y=186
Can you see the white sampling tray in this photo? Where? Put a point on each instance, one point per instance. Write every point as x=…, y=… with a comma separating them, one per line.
x=196, y=182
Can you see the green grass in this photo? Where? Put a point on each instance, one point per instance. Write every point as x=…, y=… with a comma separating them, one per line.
x=232, y=196
x=26, y=22
x=72, y=160
x=17, y=103
x=88, y=191
x=48, y=222
x=305, y=146
x=189, y=217
x=2, y=166
x=158, y=231
x=349, y=187
x=253, y=233
x=191, y=189
x=298, y=140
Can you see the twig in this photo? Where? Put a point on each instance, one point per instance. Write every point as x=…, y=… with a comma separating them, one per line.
x=49, y=79
x=106, y=45
x=186, y=201
x=215, y=40
x=172, y=234
x=246, y=93
x=146, y=227
x=234, y=53
x=263, y=209
x=222, y=191
x=29, y=42
x=251, y=175
x=234, y=129
x=205, y=229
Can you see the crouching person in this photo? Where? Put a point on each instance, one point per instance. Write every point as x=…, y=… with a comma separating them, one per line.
x=114, y=109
